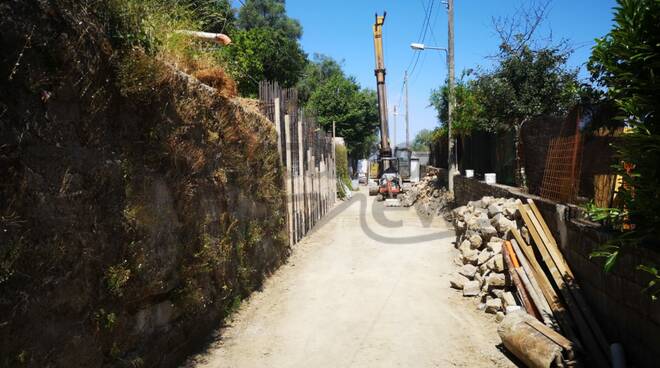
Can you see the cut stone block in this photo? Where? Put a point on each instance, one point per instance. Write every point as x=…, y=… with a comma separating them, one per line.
x=493, y=305
x=484, y=256
x=476, y=241
x=468, y=271
x=471, y=288
x=457, y=281
x=508, y=299
x=499, y=263
x=494, y=247
x=496, y=280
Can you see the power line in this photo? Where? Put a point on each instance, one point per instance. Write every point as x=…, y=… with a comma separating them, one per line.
x=426, y=28
x=429, y=27
x=414, y=58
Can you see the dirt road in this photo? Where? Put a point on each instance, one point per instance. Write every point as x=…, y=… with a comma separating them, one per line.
x=362, y=290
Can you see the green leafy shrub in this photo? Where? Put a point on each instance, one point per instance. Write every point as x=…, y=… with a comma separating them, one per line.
x=627, y=63
x=341, y=162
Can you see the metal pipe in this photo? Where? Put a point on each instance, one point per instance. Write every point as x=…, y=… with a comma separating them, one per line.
x=219, y=38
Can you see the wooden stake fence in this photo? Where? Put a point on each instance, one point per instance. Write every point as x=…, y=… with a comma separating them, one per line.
x=307, y=155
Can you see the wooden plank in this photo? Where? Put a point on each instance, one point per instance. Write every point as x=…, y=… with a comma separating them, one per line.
x=558, y=310
x=277, y=122
x=528, y=279
x=536, y=299
x=301, y=179
x=531, y=274
x=569, y=278
x=289, y=183
x=522, y=292
x=545, y=238
x=553, y=335
x=308, y=189
x=589, y=340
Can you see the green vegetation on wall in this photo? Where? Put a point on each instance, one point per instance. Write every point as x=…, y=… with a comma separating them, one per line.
x=341, y=162
x=627, y=63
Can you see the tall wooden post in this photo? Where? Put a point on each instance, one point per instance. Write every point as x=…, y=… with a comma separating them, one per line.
x=277, y=122
x=301, y=176
x=289, y=177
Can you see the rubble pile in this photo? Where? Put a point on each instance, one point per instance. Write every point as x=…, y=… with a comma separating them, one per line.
x=481, y=227
x=498, y=264
x=428, y=196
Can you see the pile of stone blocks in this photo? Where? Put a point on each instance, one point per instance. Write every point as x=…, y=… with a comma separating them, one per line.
x=428, y=196
x=481, y=227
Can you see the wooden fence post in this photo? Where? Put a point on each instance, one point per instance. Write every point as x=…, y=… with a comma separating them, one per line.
x=301, y=189
x=277, y=122
x=289, y=178
x=308, y=186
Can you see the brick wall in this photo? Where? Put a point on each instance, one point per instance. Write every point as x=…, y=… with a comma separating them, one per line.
x=625, y=313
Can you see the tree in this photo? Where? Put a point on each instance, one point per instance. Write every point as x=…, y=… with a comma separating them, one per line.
x=468, y=111
x=263, y=54
x=214, y=15
x=528, y=81
x=264, y=46
x=317, y=71
x=354, y=112
x=422, y=140
x=627, y=63
x=268, y=14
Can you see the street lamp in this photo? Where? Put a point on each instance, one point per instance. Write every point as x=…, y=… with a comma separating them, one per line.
x=421, y=46
x=451, y=159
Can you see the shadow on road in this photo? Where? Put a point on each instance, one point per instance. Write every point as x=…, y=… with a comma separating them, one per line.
x=378, y=214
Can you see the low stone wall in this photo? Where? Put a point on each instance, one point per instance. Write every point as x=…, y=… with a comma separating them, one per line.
x=625, y=313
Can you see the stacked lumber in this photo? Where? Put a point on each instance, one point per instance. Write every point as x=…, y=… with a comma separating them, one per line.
x=579, y=317
x=545, y=287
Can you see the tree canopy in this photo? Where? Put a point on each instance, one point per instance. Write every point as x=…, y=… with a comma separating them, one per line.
x=214, y=15
x=268, y=14
x=317, y=72
x=468, y=113
x=527, y=83
x=263, y=54
x=528, y=80
x=422, y=140
x=264, y=45
x=353, y=110
x=627, y=63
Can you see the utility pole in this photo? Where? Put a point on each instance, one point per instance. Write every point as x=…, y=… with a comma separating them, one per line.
x=395, y=114
x=451, y=157
x=405, y=81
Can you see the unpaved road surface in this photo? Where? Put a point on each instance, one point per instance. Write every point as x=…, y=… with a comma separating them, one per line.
x=361, y=290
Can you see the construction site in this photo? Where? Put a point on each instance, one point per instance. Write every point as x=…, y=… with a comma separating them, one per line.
x=216, y=183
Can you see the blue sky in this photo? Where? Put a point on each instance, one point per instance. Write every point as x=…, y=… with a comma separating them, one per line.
x=342, y=30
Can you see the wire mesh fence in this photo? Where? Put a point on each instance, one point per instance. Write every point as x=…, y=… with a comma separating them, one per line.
x=561, y=178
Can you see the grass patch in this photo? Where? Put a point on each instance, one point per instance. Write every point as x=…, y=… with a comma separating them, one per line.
x=153, y=27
